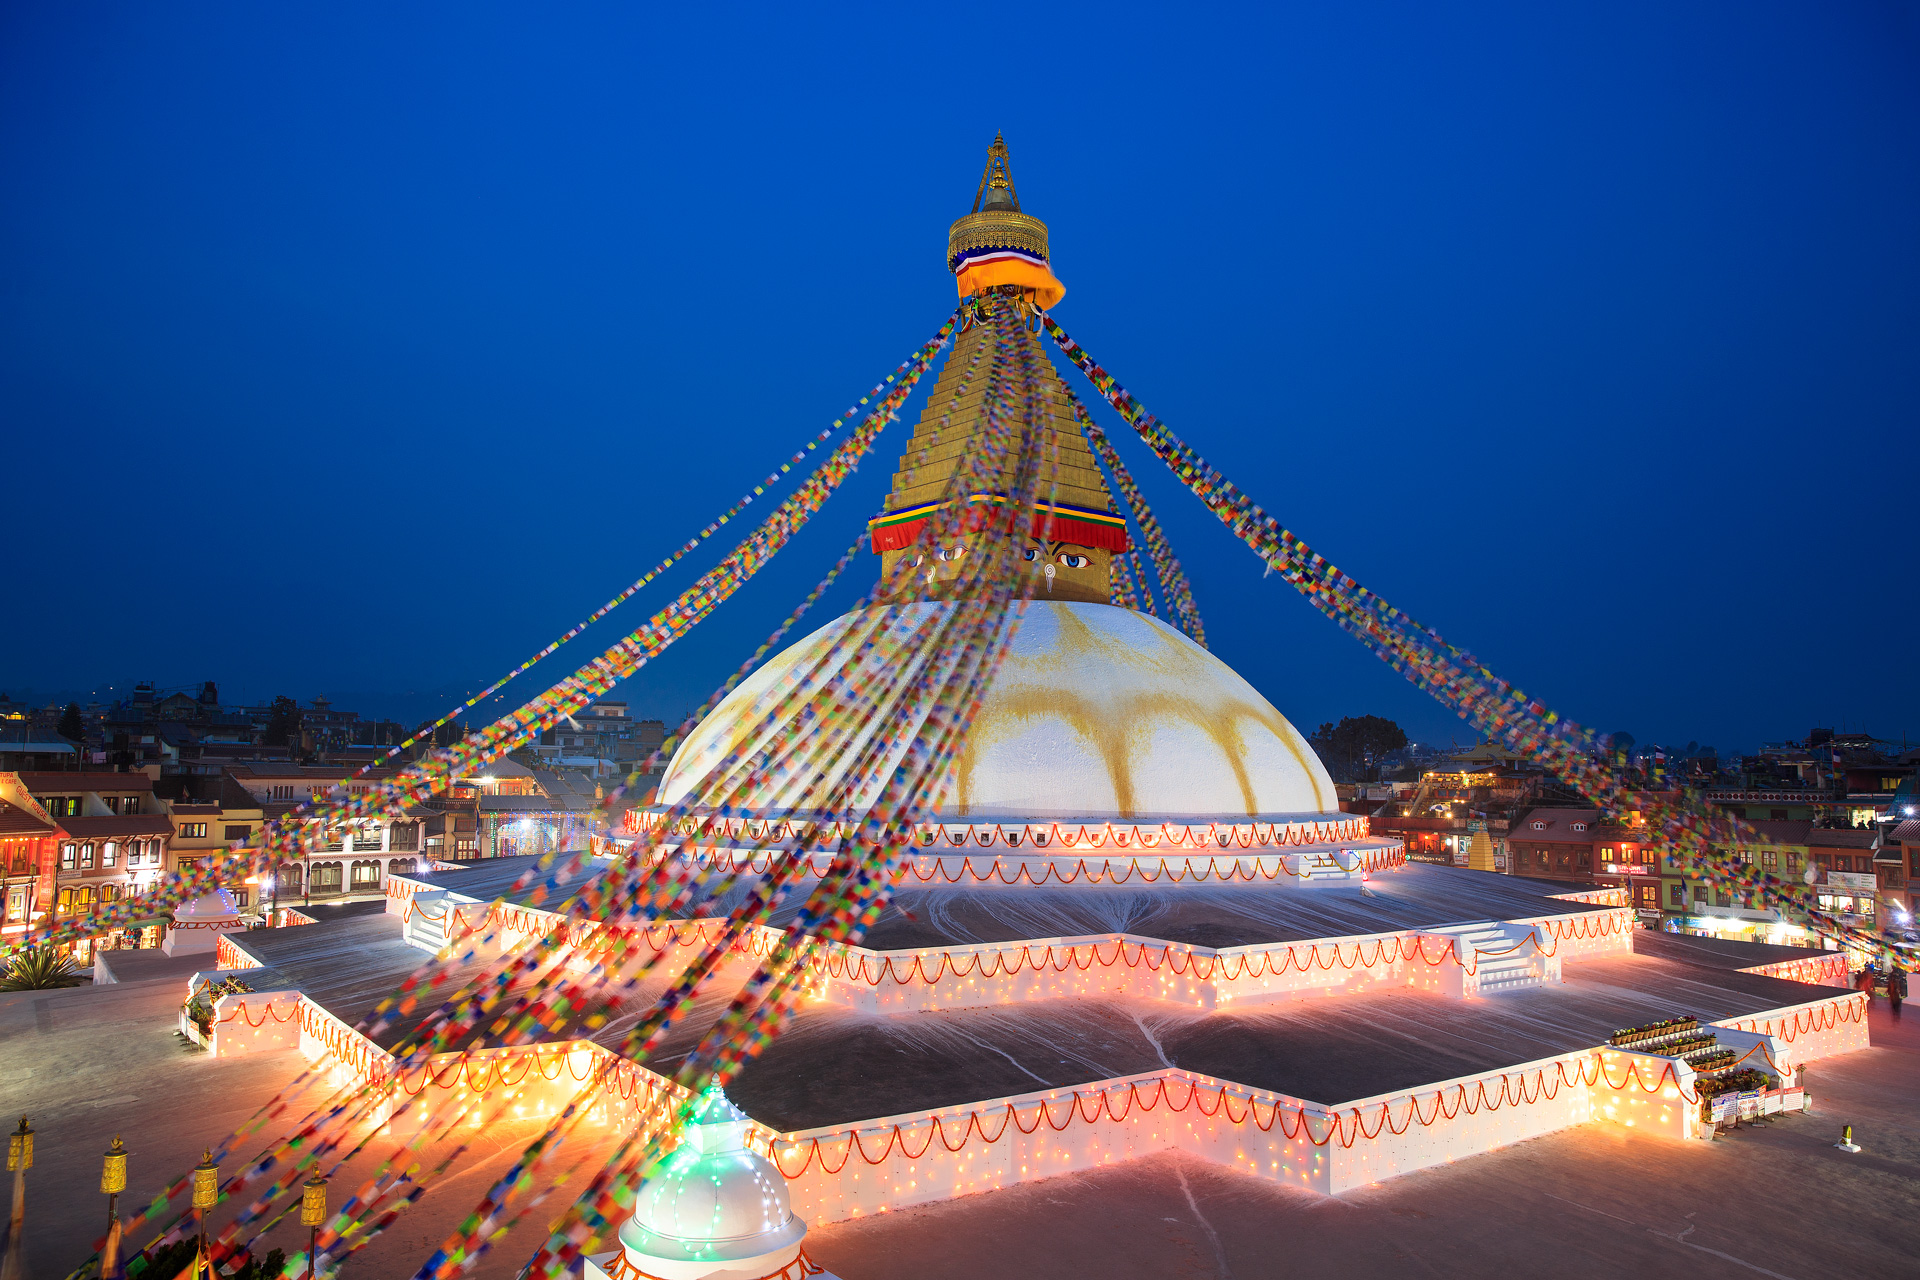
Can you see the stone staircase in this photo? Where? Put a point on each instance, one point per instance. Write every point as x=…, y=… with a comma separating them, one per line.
x=429, y=912
x=1323, y=865
x=1496, y=957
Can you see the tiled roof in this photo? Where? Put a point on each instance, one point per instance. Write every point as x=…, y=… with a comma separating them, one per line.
x=1907, y=832
x=1784, y=832
x=15, y=821
x=1559, y=825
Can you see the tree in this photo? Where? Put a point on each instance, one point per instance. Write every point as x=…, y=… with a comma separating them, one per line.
x=71, y=726
x=1353, y=748
x=283, y=723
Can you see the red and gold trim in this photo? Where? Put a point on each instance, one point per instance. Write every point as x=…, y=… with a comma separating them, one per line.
x=1082, y=526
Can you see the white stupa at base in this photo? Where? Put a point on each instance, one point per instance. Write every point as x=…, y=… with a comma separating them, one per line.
x=712, y=1210
x=197, y=925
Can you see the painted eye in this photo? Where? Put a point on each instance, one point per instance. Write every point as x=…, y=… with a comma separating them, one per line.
x=1030, y=554
x=1075, y=562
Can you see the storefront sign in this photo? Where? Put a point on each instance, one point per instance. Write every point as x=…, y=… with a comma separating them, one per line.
x=1629, y=869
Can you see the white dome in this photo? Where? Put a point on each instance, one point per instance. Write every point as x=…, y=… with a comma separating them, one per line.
x=217, y=905
x=711, y=1203
x=1096, y=712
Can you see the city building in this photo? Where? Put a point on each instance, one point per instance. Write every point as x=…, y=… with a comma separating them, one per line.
x=1554, y=844
x=1896, y=865
x=603, y=740
x=29, y=850
x=343, y=859
x=110, y=840
x=211, y=815
x=26, y=747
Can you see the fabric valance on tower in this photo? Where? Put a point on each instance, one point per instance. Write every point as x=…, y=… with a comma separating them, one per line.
x=1082, y=526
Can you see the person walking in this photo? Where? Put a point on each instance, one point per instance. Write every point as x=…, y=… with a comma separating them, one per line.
x=1896, y=988
x=1865, y=981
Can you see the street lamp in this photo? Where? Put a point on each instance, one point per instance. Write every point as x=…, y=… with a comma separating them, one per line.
x=113, y=1180
x=313, y=1212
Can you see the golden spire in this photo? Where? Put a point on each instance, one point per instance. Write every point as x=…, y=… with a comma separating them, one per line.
x=997, y=245
x=997, y=177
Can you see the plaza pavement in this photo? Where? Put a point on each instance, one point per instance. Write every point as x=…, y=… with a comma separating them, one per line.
x=1599, y=1200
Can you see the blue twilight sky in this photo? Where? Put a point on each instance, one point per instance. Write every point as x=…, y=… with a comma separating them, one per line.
x=359, y=349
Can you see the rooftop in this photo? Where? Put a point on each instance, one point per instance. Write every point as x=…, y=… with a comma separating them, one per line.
x=55, y=784
x=15, y=821
x=1230, y=915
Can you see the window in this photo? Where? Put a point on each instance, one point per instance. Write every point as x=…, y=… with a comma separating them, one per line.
x=86, y=856
x=193, y=830
x=463, y=847
x=1769, y=860
x=367, y=839
x=239, y=897
x=238, y=833
x=283, y=793
x=1677, y=895
x=67, y=855
x=1579, y=826
x=366, y=875
x=404, y=835
x=62, y=806
x=75, y=901
x=109, y=854
x=399, y=866
x=1647, y=895
x=1539, y=826
x=1700, y=893
x=325, y=877
x=109, y=892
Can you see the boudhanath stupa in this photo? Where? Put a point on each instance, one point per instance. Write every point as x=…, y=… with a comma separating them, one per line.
x=1138, y=920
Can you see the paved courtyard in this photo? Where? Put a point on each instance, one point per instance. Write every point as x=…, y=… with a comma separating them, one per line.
x=1776, y=1200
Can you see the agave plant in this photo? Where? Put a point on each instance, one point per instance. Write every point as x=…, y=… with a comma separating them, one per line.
x=39, y=969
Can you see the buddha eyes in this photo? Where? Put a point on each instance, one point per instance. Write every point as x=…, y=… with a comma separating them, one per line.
x=949, y=553
x=1070, y=561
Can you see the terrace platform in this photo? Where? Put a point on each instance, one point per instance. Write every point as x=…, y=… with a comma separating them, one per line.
x=1289, y=1018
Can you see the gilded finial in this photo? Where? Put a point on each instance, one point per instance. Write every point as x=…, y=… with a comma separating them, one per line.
x=996, y=179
